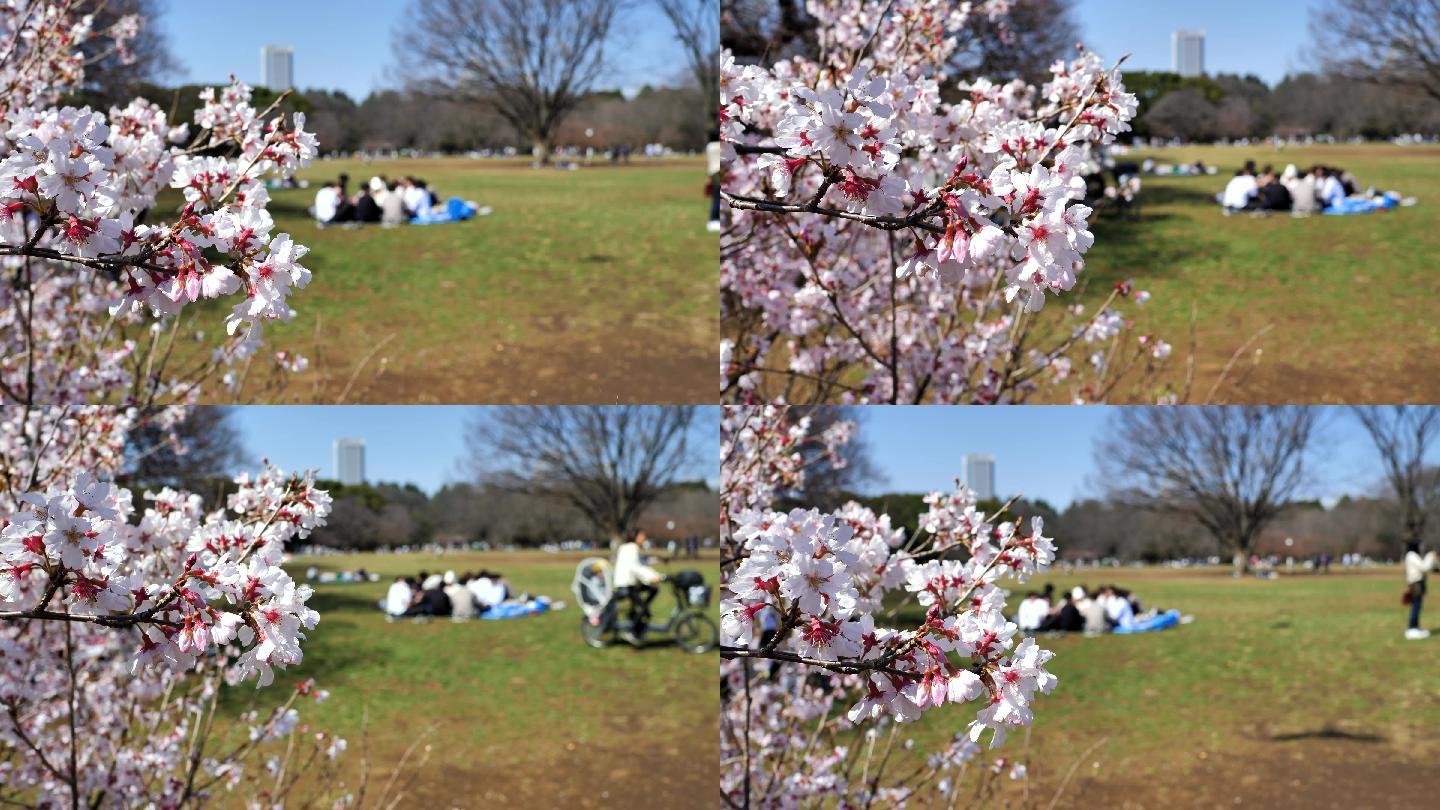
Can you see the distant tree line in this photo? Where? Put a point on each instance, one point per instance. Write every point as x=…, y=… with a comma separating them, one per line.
x=1379, y=76
x=540, y=475
x=474, y=74
x=1106, y=528
x=1206, y=481
x=1227, y=106
x=412, y=120
x=383, y=515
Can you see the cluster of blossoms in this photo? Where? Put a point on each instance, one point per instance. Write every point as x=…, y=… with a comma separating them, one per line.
x=875, y=225
x=188, y=581
x=123, y=617
x=765, y=453
x=87, y=260
x=805, y=596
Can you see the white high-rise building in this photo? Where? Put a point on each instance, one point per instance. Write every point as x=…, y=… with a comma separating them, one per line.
x=979, y=475
x=1187, y=53
x=277, y=67
x=350, y=461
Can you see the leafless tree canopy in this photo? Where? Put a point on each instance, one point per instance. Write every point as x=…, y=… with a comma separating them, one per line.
x=115, y=81
x=1232, y=469
x=1404, y=434
x=213, y=452
x=532, y=60
x=767, y=30
x=1022, y=44
x=697, y=27
x=1394, y=42
x=609, y=462
x=828, y=486
x=1183, y=114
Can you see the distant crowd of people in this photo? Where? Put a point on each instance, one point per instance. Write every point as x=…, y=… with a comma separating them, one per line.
x=689, y=547
x=1299, y=193
x=380, y=201
x=1078, y=610
x=466, y=596
x=314, y=574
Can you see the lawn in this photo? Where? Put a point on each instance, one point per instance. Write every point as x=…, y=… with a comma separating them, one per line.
x=518, y=713
x=596, y=285
x=1298, y=692
x=1349, y=301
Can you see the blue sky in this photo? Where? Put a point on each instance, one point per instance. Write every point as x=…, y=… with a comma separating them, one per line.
x=421, y=444
x=1266, y=37
x=1048, y=451
x=345, y=44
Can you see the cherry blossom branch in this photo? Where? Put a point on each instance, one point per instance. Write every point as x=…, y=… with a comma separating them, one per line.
x=846, y=666
x=883, y=222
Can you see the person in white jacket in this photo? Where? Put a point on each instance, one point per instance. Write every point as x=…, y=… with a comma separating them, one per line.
x=1032, y=612
x=638, y=581
x=1416, y=568
x=397, y=599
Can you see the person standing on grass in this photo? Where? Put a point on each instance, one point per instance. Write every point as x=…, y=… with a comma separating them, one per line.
x=1416, y=569
x=712, y=168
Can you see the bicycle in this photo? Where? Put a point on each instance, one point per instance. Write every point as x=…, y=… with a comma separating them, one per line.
x=601, y=622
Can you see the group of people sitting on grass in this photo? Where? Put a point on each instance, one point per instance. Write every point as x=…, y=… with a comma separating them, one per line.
x=1321, y=188
x=458, y=597
x=1105, y=609
x=386, y=202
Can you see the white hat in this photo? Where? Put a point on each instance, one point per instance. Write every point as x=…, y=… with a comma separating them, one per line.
x=1077, y=593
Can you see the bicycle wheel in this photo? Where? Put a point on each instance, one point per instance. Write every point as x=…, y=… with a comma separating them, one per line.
x=696, y=633
x=596, y=632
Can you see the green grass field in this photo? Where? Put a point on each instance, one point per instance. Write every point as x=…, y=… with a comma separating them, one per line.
x=596, y=285
x=1350, y=300
x=1298, y=692
x=518, y=713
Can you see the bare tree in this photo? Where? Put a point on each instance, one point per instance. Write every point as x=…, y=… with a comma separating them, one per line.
x=1230, y=468
x=767, y=29
x=697, y=27
x=1234, y=118
x=827, y=485
x=1022, y=43
x=111, y=79
x=1182, y=114
x=1394, y=42
x=1404, y=434
x=533, y=61
x=609, y=462
x=204, y=448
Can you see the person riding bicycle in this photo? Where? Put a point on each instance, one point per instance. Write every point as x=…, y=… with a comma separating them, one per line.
x=635, y=579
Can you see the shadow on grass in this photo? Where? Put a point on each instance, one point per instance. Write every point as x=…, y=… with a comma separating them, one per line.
x=286, y=205
x=1176, y=195
x=1328, y=733
x=331, y=601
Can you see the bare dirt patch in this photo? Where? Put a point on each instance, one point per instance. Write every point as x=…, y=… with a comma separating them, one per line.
x=1318, y=769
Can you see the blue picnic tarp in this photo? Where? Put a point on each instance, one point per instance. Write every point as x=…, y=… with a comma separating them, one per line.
x=1359, y=205
x=456, y=210
x=1160, y=621
x=514, y=610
